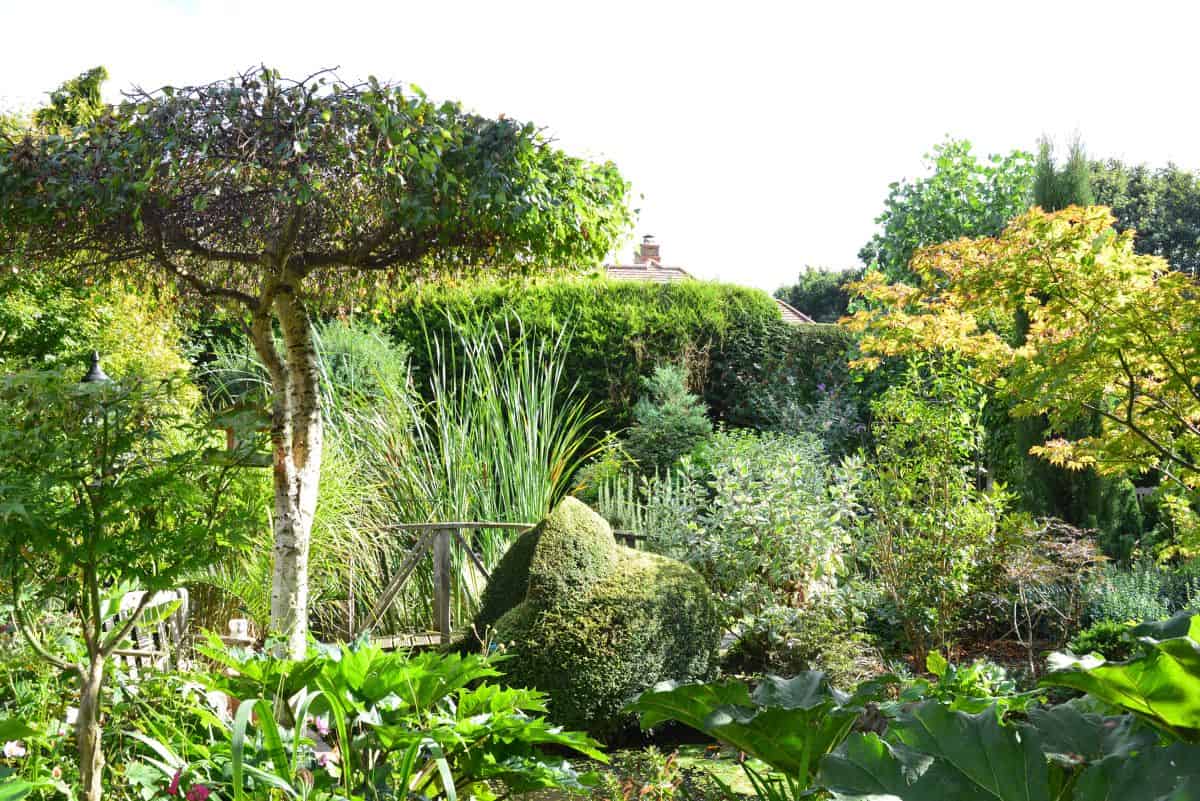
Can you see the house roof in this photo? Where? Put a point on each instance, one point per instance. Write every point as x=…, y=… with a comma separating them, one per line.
x=791, y=314
x=659, y=274
x=651, y=271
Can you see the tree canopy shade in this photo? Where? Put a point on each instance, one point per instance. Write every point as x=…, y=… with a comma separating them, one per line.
x=270, y=195
x=1111, y=332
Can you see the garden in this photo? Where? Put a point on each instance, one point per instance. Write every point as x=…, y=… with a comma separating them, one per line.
x=331, y=468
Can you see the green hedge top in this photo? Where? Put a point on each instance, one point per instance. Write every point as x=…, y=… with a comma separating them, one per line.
x=732, y=339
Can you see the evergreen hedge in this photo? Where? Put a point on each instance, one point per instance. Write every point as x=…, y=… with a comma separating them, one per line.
x=740, y=355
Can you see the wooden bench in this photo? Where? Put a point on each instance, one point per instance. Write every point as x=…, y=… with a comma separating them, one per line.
x=154, y=641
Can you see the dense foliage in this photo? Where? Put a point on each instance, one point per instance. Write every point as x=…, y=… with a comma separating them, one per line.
x=928, y=529
x=1109, y=334
x=271, y=195
x=103, y=490
x=744, y=361
x=592, y=623
x=354, y=722
x=962, y=196
x=1161, y=204
x=823, y=295
x=968, y=736
x=669, y=422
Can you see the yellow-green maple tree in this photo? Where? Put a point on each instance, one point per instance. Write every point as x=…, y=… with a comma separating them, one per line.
x=1110, y=331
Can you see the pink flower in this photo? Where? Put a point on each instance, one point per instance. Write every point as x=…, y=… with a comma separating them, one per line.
x=173, y=787
x=56, y=774
x=14, y=749
x=198, y=792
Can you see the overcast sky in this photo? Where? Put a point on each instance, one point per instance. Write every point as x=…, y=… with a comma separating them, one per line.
x=759, y=137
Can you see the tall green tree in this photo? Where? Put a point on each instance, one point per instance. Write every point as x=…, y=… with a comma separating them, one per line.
x=1111, y=333
x=275, y=196
x=1055, y=187
x=1083, y=498
x=1161, y=204
x=823, y=295
x=961, y=196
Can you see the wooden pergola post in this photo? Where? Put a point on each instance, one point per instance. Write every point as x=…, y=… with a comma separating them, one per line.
x=441, y=582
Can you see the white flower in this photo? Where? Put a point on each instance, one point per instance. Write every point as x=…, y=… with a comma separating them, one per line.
x=14, y=749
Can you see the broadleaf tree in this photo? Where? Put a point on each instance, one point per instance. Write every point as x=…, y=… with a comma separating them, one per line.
x=276, y=197
x=961, y=196
x=1111, y=332
x=104, y=488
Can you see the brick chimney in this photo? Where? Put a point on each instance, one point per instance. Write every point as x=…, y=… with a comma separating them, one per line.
x=648, y=251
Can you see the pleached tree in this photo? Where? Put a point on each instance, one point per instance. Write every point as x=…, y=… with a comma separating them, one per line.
x=277, y=198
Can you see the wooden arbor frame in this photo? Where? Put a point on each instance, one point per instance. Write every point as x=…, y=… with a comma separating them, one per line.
x=438, y=538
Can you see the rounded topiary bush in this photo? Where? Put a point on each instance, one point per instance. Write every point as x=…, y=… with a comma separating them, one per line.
x=593, y=626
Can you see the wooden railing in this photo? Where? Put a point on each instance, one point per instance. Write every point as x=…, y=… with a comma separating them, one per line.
x=439, y=538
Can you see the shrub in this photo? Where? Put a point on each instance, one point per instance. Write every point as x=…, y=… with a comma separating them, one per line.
x=594, y=623
x=669, y=421
x=1134, y=595
x=785, y=641
x=1109, y=638
x=760, y=516
x=353, y=722
x=765, y=369
x=1043, y=571
x=928, y=530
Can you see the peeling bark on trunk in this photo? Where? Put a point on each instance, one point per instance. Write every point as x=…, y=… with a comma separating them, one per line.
x=296, y=439
x=87, y=731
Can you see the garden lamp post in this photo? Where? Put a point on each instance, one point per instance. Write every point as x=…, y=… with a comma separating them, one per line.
x=95, y=375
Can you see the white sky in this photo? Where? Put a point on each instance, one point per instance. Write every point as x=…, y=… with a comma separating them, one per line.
x=760, y=136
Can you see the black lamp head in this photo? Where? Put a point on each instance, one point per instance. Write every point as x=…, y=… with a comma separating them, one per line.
x=95, y=374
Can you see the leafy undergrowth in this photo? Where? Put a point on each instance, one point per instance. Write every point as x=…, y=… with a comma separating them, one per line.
x=694, y=760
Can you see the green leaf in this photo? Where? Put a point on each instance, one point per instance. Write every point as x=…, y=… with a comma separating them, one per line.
x=804, y=721
x=13, y=729
x=1161, y=685
x=936, y=664
x=1155, y=774
x=939, y=754
x=1073, y=737
x=238, y=748
x=865, y=767
x=14, y=789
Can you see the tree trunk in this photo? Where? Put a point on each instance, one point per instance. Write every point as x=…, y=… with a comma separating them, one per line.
x=296, y=438
x=87, y=730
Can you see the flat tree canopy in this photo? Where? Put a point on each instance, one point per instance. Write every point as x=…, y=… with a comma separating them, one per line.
x=271, y=195
x=214, y=183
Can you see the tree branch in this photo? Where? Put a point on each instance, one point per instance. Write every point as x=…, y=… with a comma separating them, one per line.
x=114, y=638
x=22, y=625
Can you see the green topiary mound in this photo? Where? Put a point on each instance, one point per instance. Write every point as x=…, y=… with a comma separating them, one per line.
x=592, y=623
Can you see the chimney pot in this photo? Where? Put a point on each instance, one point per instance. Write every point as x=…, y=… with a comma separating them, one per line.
x=648, y=252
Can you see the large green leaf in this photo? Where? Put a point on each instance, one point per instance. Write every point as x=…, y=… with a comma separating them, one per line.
x=14, y=789
x=866, y=767
x=788, y=723
x=940, y=754
x=1155, y=774
x=1073, y=737
x=1162, y=684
